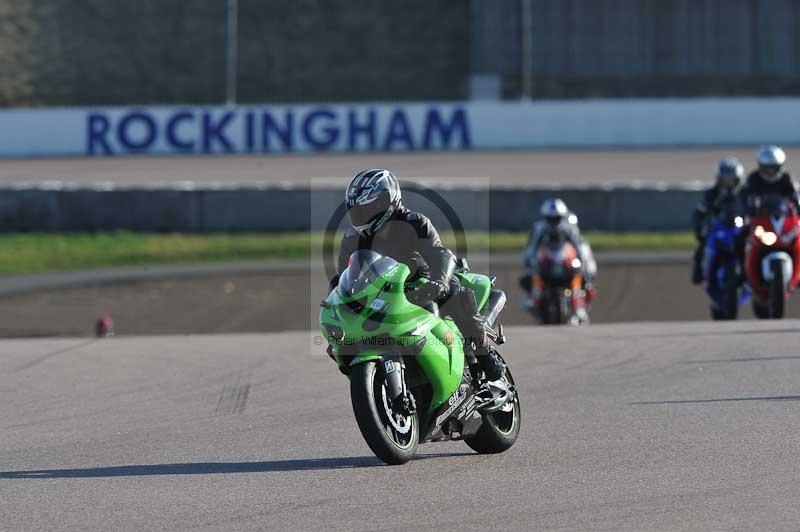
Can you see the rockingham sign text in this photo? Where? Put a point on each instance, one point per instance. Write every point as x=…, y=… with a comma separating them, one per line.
x=266, y=130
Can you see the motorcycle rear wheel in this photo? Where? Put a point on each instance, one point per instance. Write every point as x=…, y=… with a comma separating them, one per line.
x=500, y=429
x=392, y=436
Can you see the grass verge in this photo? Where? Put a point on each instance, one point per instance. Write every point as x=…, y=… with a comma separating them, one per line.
x=29, y=253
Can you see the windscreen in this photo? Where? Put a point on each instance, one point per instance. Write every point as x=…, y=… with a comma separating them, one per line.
x=554, y=252
x=728, y=211
x=363, y=268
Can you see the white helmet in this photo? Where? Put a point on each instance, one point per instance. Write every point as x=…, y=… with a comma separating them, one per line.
x=371, y=198
x=554, y=210
x=770, y=163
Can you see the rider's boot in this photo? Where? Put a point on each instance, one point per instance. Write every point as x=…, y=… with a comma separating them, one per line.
x=697, y=266
x=589, y=288
x=697, y=273
x=489, y=362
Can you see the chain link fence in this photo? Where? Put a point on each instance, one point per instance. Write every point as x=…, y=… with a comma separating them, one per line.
x=638, y=48
x=118, y=52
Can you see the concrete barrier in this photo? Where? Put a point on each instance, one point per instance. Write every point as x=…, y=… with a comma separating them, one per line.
x=274, y=209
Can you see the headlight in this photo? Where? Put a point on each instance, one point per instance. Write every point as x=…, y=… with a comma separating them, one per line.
x=768, y=238
x=336, y=334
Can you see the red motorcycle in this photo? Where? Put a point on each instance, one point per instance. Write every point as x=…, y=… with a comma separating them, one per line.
x=772, y=260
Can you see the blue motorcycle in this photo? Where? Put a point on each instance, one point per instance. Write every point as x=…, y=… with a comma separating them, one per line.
x=723, y=267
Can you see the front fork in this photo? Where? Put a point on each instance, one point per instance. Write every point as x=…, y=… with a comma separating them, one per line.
x=392, y=370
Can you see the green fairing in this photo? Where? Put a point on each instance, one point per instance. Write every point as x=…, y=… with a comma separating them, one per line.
x=480, y=284
x=441, y=358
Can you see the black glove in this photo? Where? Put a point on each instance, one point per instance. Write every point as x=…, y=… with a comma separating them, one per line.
x=425, y=293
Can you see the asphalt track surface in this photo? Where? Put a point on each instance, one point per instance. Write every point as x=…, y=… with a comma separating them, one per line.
x=638, y=426
x=479, y=168
x=625, y=427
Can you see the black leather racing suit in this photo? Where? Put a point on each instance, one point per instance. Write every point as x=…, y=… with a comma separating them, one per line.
x=756, y=187
x=410, y=238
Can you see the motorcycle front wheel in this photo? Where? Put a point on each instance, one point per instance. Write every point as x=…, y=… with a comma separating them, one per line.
x=761, y=311
x=777, y=295
x=550, y=310
x=729, y=308
x=392, y=435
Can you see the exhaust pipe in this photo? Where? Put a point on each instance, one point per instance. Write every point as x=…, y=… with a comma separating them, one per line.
x=494, y=306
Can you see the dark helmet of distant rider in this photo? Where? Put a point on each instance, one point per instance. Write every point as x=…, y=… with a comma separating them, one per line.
x=372, y=197
x=771, y=160
x=730, y=174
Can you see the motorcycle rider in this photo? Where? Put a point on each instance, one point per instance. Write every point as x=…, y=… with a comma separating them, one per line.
x=382, y=224
x=557, y=222
x=726, y=189
x=769, y=178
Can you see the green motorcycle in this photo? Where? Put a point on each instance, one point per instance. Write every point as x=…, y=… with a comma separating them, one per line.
x=410, y=381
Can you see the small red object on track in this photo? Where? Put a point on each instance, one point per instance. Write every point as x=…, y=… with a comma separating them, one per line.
x=104, y=327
